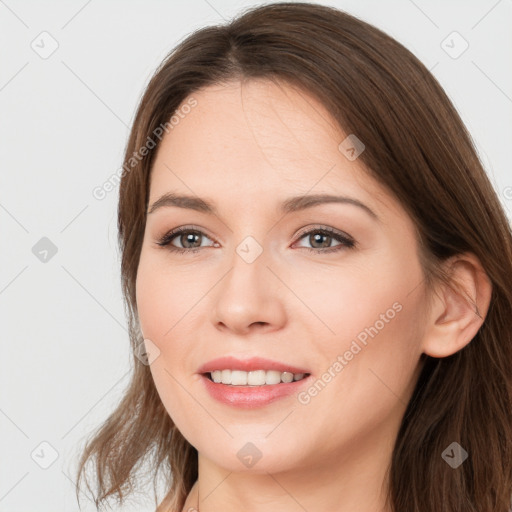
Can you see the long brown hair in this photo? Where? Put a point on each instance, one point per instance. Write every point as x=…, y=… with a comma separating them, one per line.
x=419, y=149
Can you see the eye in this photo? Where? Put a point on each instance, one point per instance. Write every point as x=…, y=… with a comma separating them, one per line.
x=321, y=238
x=186, y=236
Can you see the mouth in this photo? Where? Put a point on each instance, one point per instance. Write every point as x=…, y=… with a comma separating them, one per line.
x=244, y=395
x=253, y=382
x=255, y=378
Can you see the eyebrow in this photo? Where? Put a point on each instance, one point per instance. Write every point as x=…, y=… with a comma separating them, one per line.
x=292, y=204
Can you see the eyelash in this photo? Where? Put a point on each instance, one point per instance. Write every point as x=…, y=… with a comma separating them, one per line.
x=345, y=240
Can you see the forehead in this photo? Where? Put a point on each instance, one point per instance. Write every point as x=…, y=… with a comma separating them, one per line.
x=254, y=140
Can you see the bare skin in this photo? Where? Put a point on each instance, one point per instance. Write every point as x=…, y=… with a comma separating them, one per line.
x=247, y=148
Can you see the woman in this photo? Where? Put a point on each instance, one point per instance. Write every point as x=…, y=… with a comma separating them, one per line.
x=317, y=274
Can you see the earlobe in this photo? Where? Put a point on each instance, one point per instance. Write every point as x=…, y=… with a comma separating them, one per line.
x=457, y=311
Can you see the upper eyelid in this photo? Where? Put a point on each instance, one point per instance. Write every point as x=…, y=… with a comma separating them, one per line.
x=328, y=229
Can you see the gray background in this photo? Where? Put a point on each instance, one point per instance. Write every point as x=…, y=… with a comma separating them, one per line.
x=63, y=127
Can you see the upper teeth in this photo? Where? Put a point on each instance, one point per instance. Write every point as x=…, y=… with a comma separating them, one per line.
x=253, y=378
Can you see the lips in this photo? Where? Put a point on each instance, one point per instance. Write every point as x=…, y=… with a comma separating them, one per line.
x=253, y=397
x=247, y=365
x=249, y=397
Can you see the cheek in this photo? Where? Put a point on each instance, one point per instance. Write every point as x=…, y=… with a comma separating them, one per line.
x=160, y=309
x=148, y=297
x=374, y=313
x=384, y=349
x=369, y=371
x=164, y=295
x=172, y=386
x=344, y=302
x=165, y=302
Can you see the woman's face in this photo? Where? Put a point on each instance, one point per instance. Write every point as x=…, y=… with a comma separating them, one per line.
x=267, y=282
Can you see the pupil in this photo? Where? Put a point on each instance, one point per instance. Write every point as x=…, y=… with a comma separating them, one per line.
x=317, y=236
x=189, y=238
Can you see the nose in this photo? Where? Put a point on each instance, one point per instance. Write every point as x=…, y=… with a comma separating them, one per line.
x=249, y=298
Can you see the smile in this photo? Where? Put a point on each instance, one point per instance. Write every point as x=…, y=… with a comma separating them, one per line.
x=253, y=378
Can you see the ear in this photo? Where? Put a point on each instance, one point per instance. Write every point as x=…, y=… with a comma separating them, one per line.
x=455, y=317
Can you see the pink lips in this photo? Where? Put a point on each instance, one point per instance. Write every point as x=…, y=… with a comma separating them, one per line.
x=250, y=397
x=247, y=365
